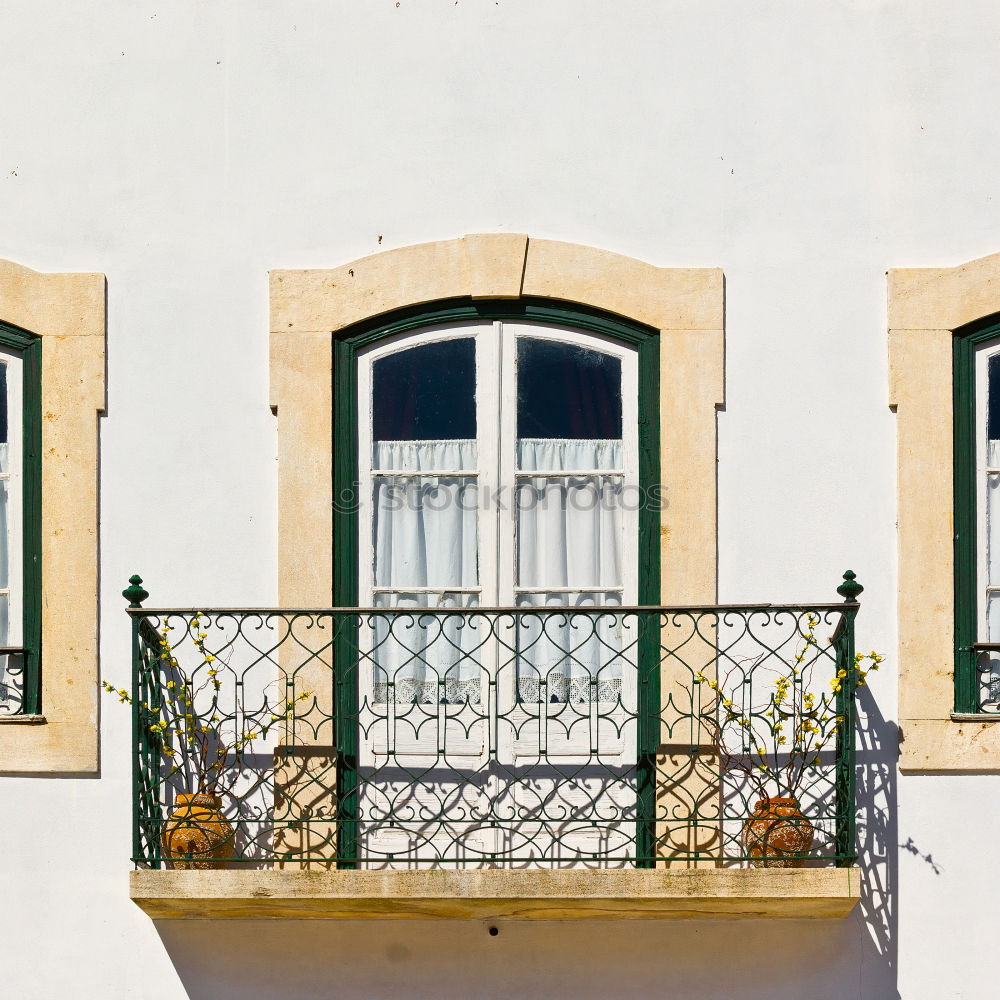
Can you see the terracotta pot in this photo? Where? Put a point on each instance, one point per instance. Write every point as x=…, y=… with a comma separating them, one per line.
x=777, y=835
x=196, y=833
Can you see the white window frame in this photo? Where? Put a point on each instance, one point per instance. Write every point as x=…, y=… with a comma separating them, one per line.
x=496, y=350
x=14, y=591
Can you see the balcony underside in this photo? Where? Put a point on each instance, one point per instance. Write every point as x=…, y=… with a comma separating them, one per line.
x=495, y=894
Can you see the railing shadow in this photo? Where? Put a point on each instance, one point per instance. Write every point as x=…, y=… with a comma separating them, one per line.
x=877, y=914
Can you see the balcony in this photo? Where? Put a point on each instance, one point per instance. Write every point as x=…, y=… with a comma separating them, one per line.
x=517, y=762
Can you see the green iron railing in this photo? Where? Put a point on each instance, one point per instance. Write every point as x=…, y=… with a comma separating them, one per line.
x=555, y=736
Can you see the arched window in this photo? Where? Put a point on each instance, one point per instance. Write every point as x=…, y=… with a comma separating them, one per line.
x=505, y=457
x=498, y=466
x=20, y=515
x=944, y=334
x=977, y=518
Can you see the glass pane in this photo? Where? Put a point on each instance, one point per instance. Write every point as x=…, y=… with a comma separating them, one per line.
x=988, y=662
x=569, y=454
x=988, y=677
x=4, y=535
x=993, y=404
x=460, y=454
x=425, y=393
x=993, y=528
x=425, y=531
x=3, y=404
x=4, y=445
x=572, y=657
x=569, y=531
x=426, y=659
x=993, y=617
x=566, y=391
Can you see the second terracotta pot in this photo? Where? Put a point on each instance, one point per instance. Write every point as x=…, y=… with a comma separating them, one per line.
x=196, y=835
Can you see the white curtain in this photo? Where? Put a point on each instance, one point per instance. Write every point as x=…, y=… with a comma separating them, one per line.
x=989, y=664
x=569, y=536
x=425, y=536
x=11, y=670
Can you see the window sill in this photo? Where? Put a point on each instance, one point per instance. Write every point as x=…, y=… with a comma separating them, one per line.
x=607, y=894
x=950, y=745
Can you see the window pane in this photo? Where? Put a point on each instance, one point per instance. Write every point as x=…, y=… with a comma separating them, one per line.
x=993, y=528
x=4, y=446
x=571, y=657
x=425, y=532
x=993, y=407
x=4, y=536
x=425, y=393
x=426, y=456
x=11, y=668
x=426, y=659
x=566, y=391
x=569, y=531
x=572, y=455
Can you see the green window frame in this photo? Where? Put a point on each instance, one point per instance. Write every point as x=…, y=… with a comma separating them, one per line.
x=345, y=431
x=345, y=520
x=29, y=347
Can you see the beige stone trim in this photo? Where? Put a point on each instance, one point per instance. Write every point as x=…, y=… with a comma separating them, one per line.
x=925, y=306
x=67, y=311
x=559, y=894
x=685, y=304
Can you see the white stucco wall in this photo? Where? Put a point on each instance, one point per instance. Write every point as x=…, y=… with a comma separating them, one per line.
x=184, y=148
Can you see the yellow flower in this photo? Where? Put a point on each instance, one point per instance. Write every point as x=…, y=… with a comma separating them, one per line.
x=209, y=658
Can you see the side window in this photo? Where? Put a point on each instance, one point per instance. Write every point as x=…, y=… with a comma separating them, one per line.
x=944, y=336
x=56, y=321
x=20, y=555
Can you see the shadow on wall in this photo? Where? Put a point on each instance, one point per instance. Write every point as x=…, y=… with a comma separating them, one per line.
x=877, y=915
x=440, y=960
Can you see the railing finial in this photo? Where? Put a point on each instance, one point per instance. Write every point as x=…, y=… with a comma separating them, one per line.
x=134, y=593
x=850, y=589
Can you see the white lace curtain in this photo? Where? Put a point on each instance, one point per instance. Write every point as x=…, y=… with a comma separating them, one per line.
x=11, y=670
x=569, y=535
x=425, y=535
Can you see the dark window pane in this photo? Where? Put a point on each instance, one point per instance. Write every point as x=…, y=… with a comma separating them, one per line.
x=426, y=392
x=565, y=391
x=993, y=420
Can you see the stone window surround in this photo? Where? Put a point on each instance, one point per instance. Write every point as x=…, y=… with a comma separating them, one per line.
x=307, y=307
x=67, y=311
x=926, y=306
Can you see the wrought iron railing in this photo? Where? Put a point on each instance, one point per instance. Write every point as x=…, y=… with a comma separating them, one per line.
x=18, y=682
x=514, y=737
